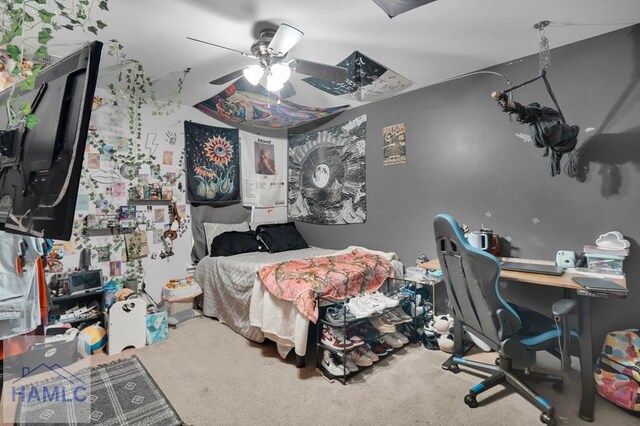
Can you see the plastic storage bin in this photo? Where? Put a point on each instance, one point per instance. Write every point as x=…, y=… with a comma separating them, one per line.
x=605, y=263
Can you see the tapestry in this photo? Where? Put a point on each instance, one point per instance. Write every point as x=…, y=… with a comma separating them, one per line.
x=242, y=102
x=396, y=7
x=367, y=80
x=264, y=170
x=394, y=145
x=213, y=163
x=327, y=175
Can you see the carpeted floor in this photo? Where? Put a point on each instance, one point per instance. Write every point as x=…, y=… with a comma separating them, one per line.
x=213, y=376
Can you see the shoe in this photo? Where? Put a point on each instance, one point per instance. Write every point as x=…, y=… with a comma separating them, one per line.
x=359, y=308
x=332, y=364
x=336, y=315
x=380, y=349
x=334, y=338
x=390, y=340
x=402, y=315
x=391, y=317
x=387, y=347
x=372, y=303
x=401, y=337
x=353, y=337
x=351, y=366
x=359, y=359
x=383, y=326
x=387, y=301
x=366, y=350
x=366, y=331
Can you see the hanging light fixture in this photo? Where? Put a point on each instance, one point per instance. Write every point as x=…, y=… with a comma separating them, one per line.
x=281, y=71
x=253, y=74
x=274, y=83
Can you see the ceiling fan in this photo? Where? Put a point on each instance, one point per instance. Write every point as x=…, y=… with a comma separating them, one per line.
x=270, y=50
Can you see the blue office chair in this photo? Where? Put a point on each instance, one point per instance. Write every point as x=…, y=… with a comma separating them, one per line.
x=471, y=277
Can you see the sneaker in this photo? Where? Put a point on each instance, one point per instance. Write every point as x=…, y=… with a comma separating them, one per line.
x=401, y=337
x=332, y=364
x=359, y=359
x=366, y=350
x=390, y=340
x=387, y=301
x=366, y=331
x=383, y=326
x=402, y=315
x=379, y=349
x=353, y=337
x=351, y=366
x=372, y=303
x=387, y=347
x=359, y=308
x=334, y=338
x=336, y=315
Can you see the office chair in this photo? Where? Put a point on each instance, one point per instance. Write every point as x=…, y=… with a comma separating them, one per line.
x=472, y=277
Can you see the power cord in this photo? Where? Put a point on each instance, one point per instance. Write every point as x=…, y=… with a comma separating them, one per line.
x=556, y=319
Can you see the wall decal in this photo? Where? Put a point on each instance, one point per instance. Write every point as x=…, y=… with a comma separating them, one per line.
x=327, y=175
x=213, y=163
x=254, y=105
x=394, y=145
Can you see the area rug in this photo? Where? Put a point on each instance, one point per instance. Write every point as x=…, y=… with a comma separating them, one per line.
x=119, y=393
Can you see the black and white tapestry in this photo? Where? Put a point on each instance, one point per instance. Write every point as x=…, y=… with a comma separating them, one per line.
x=367, y=80
x=327, y=175
x=396, y=7
x=212, y=163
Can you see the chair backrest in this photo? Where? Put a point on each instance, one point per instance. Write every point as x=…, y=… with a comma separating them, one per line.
x=472, y=278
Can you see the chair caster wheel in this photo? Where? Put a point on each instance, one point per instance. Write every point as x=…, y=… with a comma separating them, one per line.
x=454, y=368
x=471, y=401
x=548, y=419
x=557, y=386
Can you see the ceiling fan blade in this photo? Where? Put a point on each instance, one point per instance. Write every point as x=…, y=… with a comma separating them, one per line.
x=314, y=69
x=228, y=77
x=222, y=47
x=284, y=39
x=287, y=91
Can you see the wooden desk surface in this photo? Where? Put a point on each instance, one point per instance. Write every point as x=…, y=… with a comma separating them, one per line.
x=563, y=281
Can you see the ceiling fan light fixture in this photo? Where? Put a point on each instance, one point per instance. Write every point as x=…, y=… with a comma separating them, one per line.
x=281, y=71
x=253, y=74
x=274, y=83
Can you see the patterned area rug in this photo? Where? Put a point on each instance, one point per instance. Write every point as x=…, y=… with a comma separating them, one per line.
x=119, y=393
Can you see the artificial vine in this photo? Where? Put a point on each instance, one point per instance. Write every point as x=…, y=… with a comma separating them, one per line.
x=26, y=28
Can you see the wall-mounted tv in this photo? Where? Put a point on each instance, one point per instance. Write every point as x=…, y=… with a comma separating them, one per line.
x=40, y=167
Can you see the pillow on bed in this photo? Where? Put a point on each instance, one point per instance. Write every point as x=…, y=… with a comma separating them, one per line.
x=234, y=242
x=280, y=237
x=212, y=230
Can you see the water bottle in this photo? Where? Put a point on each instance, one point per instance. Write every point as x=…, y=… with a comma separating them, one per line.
x=109, y=294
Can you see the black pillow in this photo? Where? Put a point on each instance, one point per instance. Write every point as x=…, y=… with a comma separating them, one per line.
x=280, y=237
x=234, y=242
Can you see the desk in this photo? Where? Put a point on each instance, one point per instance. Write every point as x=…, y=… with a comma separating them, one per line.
x=570, y=287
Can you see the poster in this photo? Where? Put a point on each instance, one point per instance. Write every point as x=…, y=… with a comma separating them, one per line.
x=367, y=80
x=264, y=170
x=242, y=102
x=137, y=245
x=212, y=163
x=327, y=175
x=394, y=145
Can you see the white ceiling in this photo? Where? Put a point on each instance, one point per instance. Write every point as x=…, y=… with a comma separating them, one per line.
x=427, y=45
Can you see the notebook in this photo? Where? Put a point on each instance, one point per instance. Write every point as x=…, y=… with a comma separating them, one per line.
x=533, y=268
x=599, y=284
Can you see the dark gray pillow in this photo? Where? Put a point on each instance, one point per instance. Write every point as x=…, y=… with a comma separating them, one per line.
x=234, y=242
x=280, y=237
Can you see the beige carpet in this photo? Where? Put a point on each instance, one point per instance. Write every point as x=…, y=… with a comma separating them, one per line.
x=213, y=376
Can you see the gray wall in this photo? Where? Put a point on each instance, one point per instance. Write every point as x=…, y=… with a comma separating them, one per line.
x=463, y=158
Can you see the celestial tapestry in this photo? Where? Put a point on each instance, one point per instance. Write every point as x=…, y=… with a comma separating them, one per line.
x=367, y=80
x=396, y=7
x=327, y=175
x=394, y=145
x=242, y=102
x=264, y=170
x=213, y=163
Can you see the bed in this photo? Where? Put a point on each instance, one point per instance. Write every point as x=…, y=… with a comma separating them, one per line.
x=235, y=295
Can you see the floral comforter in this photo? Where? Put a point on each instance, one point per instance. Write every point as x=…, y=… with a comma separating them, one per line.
x=334, y=277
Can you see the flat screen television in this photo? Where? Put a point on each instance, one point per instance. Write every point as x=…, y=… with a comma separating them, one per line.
x=40, y=167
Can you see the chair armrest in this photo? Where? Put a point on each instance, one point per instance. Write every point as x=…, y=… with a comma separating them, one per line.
x=563, y=307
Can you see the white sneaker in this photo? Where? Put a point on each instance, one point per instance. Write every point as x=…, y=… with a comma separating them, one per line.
x=373, y=303
x=392, y=341
x=351, y=366
x=382, y=326
x=366, y=350
x=401, y=337
x=358, y=308
x=359, y=359
x=387, y=301
x=329, y=363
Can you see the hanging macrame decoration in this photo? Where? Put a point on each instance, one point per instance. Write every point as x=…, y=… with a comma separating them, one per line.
x=547, y=126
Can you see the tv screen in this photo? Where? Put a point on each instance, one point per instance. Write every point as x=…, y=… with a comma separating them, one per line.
x=40, y=167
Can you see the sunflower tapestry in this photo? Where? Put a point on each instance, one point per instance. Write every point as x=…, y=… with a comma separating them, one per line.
x=213, y=163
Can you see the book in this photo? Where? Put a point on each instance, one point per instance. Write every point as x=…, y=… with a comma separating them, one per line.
x=590, y=249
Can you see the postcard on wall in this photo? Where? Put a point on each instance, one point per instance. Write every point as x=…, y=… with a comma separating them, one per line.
x=167, y=158
x=115, y=268
x=119, y=189
x=137, y=245
x=393, y=142
x=157, y=236
x=158, y=215
x=104, y=254
x=93, y=161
